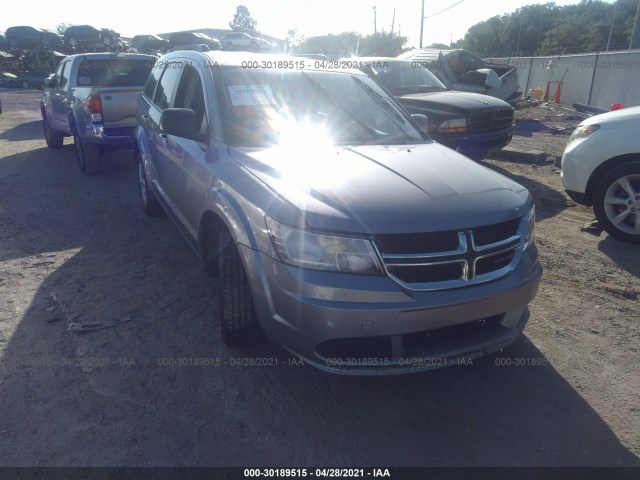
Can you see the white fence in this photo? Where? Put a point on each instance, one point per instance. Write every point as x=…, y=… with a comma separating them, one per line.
x=596, y=79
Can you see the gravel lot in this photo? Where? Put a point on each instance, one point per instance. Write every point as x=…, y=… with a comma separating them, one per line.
x=77, y=251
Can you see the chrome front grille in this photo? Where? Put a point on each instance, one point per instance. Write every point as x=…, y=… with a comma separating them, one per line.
x=452, y=259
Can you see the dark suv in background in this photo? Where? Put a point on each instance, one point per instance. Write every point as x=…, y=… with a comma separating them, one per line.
x=87, y=36
x=193, y=38
x=30, y=37
x=472, y=123
x=149, y=43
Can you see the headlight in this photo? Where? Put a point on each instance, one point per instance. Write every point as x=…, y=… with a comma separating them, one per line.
x=530, y=228
x=583, y=131
x=323, y=252
x=454, y=125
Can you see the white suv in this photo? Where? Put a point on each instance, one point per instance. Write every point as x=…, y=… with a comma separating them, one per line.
x=241, y=40
x=601, y=167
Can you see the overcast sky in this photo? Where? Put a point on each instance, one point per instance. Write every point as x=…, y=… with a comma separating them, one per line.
x=274, y=17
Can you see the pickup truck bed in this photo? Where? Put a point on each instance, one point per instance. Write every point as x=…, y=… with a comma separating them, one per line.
x=92, y=97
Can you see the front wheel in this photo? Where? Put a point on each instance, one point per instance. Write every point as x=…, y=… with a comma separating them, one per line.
x=616, y=202
x=88, y=155
x=238, y=319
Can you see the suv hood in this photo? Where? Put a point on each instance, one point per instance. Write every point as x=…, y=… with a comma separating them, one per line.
x=383, y=188
x=454, y=102
x=622, y=115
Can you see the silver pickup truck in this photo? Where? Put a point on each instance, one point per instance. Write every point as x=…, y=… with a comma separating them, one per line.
x=92, y=98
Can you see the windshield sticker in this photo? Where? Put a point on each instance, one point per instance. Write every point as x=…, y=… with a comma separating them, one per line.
x=251, y=95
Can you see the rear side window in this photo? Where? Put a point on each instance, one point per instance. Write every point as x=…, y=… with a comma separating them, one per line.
x=167, y=84
x=113, y=72
x=152, y=81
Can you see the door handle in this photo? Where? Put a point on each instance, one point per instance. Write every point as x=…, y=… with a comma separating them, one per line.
x=144, y=117
x=163, y=137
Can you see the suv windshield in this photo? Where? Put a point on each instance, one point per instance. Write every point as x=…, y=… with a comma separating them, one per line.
x=261, y=108
x=406, y=77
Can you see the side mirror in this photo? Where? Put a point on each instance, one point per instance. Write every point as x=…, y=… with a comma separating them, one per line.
x=48, y=82
x=422, y=121
x=180, y=122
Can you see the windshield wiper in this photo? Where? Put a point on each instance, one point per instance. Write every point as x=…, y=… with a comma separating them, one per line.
x=326, y=95
x=380, y=99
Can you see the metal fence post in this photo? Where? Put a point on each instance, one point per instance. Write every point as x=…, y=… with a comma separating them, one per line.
x=593, y=76
x=526, y=88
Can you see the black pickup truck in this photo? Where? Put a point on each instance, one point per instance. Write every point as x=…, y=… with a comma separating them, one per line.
x=471, y=123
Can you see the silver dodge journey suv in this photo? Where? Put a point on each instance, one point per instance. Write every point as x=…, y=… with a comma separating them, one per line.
x=335, y=227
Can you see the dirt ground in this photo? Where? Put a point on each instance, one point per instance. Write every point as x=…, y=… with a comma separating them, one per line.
x=156, y=386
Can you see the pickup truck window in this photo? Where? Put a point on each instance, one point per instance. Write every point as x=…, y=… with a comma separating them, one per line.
x=64, y=75
x=58, y=74
x=113, y=72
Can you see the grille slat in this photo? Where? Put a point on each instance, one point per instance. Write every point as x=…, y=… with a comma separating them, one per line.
x=492, y=120
x=451, y=259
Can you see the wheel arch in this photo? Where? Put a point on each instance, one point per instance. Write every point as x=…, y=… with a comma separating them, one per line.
x=603, y=168
x=223, y=212
x=210, y=227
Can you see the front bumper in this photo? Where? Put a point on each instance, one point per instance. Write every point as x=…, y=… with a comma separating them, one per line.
x=579, y=160
x=369, y=325
x=475, y=143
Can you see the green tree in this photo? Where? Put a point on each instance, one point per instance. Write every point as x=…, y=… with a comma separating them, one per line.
x=243, y=21
x=548, y=29
x=349, y=44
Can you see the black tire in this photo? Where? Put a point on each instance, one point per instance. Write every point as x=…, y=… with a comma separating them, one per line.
x=73, y=42
x=238, y=319
x=626, y=204
x=88, y=155
x=148, y=200
x=53, y=137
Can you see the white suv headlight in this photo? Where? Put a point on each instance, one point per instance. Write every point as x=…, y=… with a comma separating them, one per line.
x=582, y=131
x=323, y=252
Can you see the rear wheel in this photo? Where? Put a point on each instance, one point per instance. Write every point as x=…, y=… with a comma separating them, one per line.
x=616, y=202
x=73, y=42
x=237, y=313
x=148, y=200
x=53, y=137
x=88, y=155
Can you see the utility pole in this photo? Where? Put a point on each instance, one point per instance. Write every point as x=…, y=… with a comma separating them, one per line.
x=393, y=21
x=422, y=23
x=375, y=28
x=615, y=6
x=519, y=32
x=635, y=34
